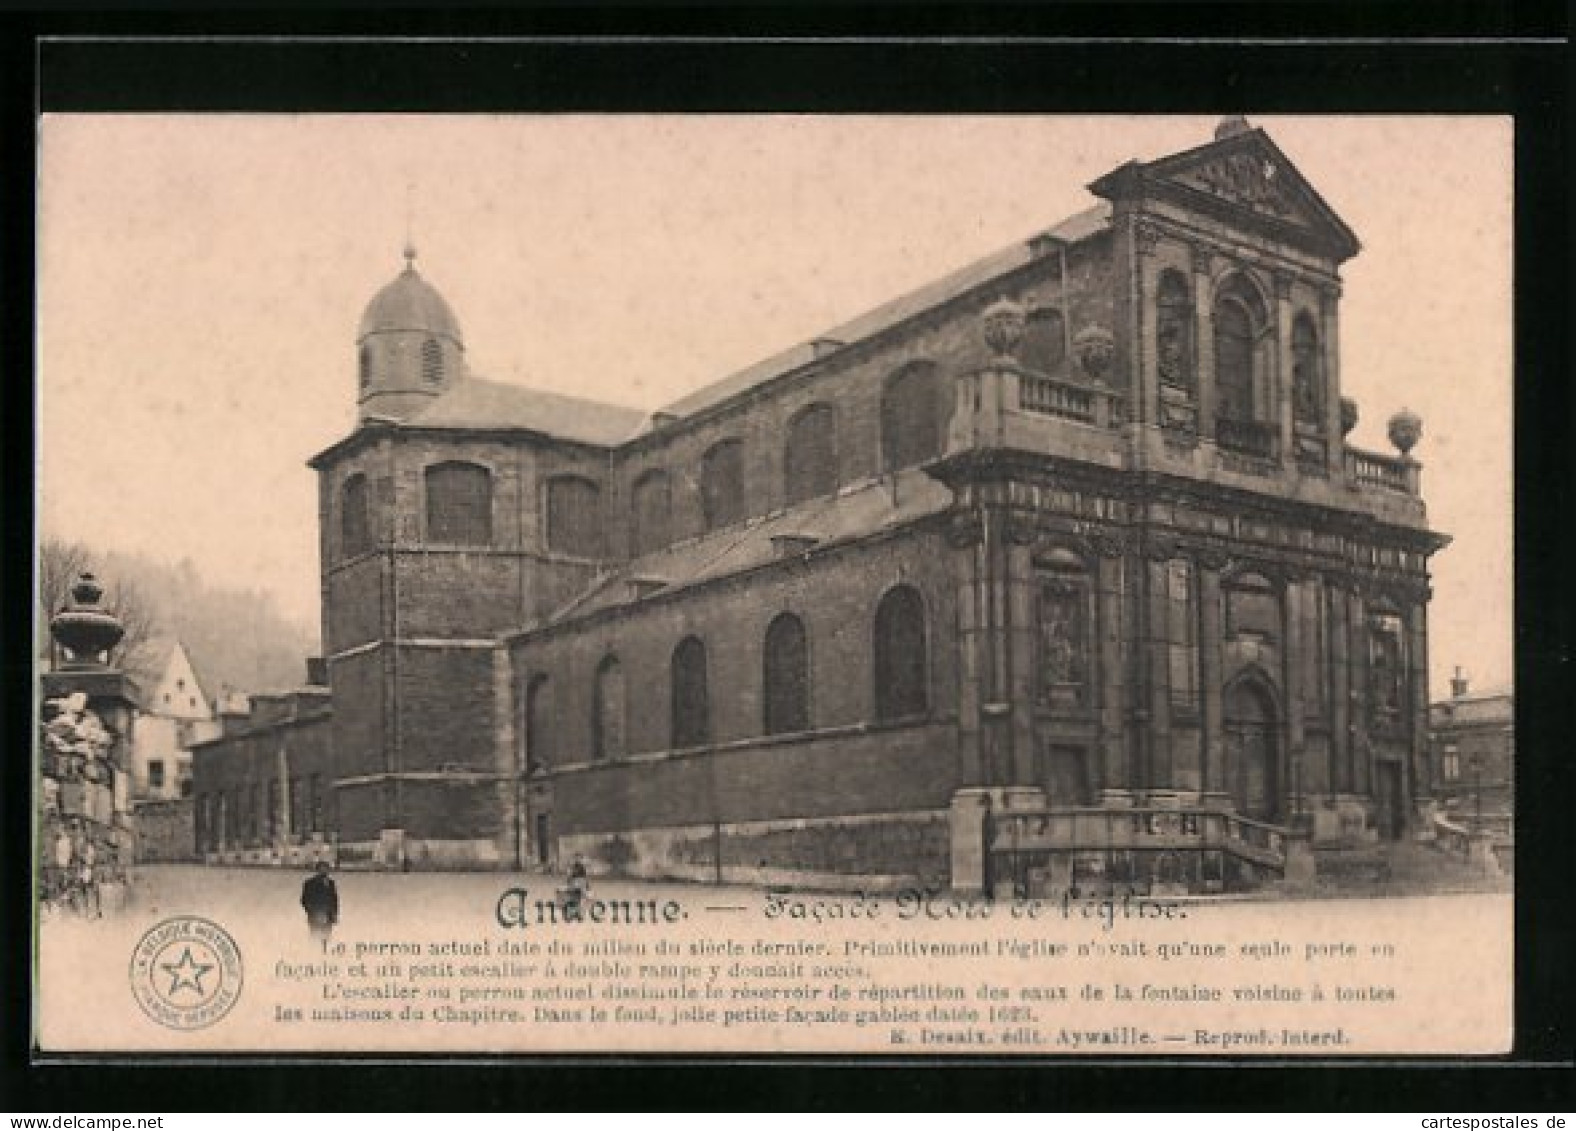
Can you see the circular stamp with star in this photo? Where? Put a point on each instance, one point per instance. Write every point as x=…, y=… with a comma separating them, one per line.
x=186, y=972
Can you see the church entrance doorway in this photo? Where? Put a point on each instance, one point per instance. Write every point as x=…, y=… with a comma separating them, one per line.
x=1062, y=775
x=1251, y=750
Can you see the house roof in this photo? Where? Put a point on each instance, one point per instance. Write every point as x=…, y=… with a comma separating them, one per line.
x=150, y=662
x=860, y=510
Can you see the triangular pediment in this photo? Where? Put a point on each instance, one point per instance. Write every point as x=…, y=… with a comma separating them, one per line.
x=1247, y=177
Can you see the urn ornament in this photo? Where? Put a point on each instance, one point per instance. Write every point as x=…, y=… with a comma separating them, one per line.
x=84, y=628
x=1094, y=347
x=1003, y=323
x=1348, y=415
x=1405, y=430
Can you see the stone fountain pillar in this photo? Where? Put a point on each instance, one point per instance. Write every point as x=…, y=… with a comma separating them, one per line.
x=85, y=735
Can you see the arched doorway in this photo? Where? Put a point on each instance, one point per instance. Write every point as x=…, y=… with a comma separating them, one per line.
x=1251, y=750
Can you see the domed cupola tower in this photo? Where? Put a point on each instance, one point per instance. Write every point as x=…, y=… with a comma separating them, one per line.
x=409, y=349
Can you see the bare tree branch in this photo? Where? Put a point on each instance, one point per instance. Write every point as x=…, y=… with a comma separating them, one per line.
x=60, y=563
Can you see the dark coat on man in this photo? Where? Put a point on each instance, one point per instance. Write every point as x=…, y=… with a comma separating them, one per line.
x=320, y=898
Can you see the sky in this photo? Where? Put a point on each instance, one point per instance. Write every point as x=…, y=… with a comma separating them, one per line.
x=201, y=278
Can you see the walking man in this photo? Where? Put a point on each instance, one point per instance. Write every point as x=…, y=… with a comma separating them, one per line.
x=320, y=900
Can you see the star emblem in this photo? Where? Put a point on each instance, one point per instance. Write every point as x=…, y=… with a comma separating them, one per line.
x=188, y=972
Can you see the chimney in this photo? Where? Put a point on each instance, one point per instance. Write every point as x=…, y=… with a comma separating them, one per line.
x=1458, y=684
x=316, y=671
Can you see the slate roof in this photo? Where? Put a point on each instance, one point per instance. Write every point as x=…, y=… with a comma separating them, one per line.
x=409, y=302
x=1075, y=229
x=860, y=510
x=476, y=403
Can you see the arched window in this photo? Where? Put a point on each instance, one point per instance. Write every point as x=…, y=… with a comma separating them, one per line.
x=1062, y=624
x=459, y=504
x=651, y=513
x=722, y=484
x=364, y=366
x=355, y=528
x=1174, y=331
x=607, y=729
x=1240, y=320
x=810, y=460
x=691, y=699
x=538, y=724
x=911, y=416
x=1307, y=379
x=431, y=361
x=574, y=516
x=786, y=676
x=1044, y=345
x=900, y=656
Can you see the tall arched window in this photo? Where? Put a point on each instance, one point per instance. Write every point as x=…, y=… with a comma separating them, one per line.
x=459, y=504
x=722, y=484
x=1307, y=378
x=1240, y=320
x=651, y=513
x=786, y=676
x=607, y=729
x=574, y=516
x=900, y=655
x=1044, y=345
x=538, y=724
x=355, y=527
x=691, y=698
x=1174, y=331
x=911, y=416
x=431, y=361
x=810, y=459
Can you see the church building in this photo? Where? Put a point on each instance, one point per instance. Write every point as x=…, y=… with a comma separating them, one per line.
x=1071, y=535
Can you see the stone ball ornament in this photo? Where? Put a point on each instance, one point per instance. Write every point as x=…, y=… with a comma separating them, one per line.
x=1094, y=347
x=1348, y=415
x=84, y=628
x=1003, y=324
x=1405, y=430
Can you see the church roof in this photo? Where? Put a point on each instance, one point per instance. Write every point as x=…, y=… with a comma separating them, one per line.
x=476, y=403
x=858, y=511
x=1075, y=229
x=409, y=303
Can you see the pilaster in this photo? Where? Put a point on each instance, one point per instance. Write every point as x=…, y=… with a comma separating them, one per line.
x=1111, y=770
x=1157, y=642
x=1340, y=770
x=1204, y=340
x=1283, y=369
x=1330, y=345
x=1020, y=631
x=1211, y=739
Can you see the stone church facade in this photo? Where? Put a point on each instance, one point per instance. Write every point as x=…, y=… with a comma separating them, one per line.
x=1075, y=529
